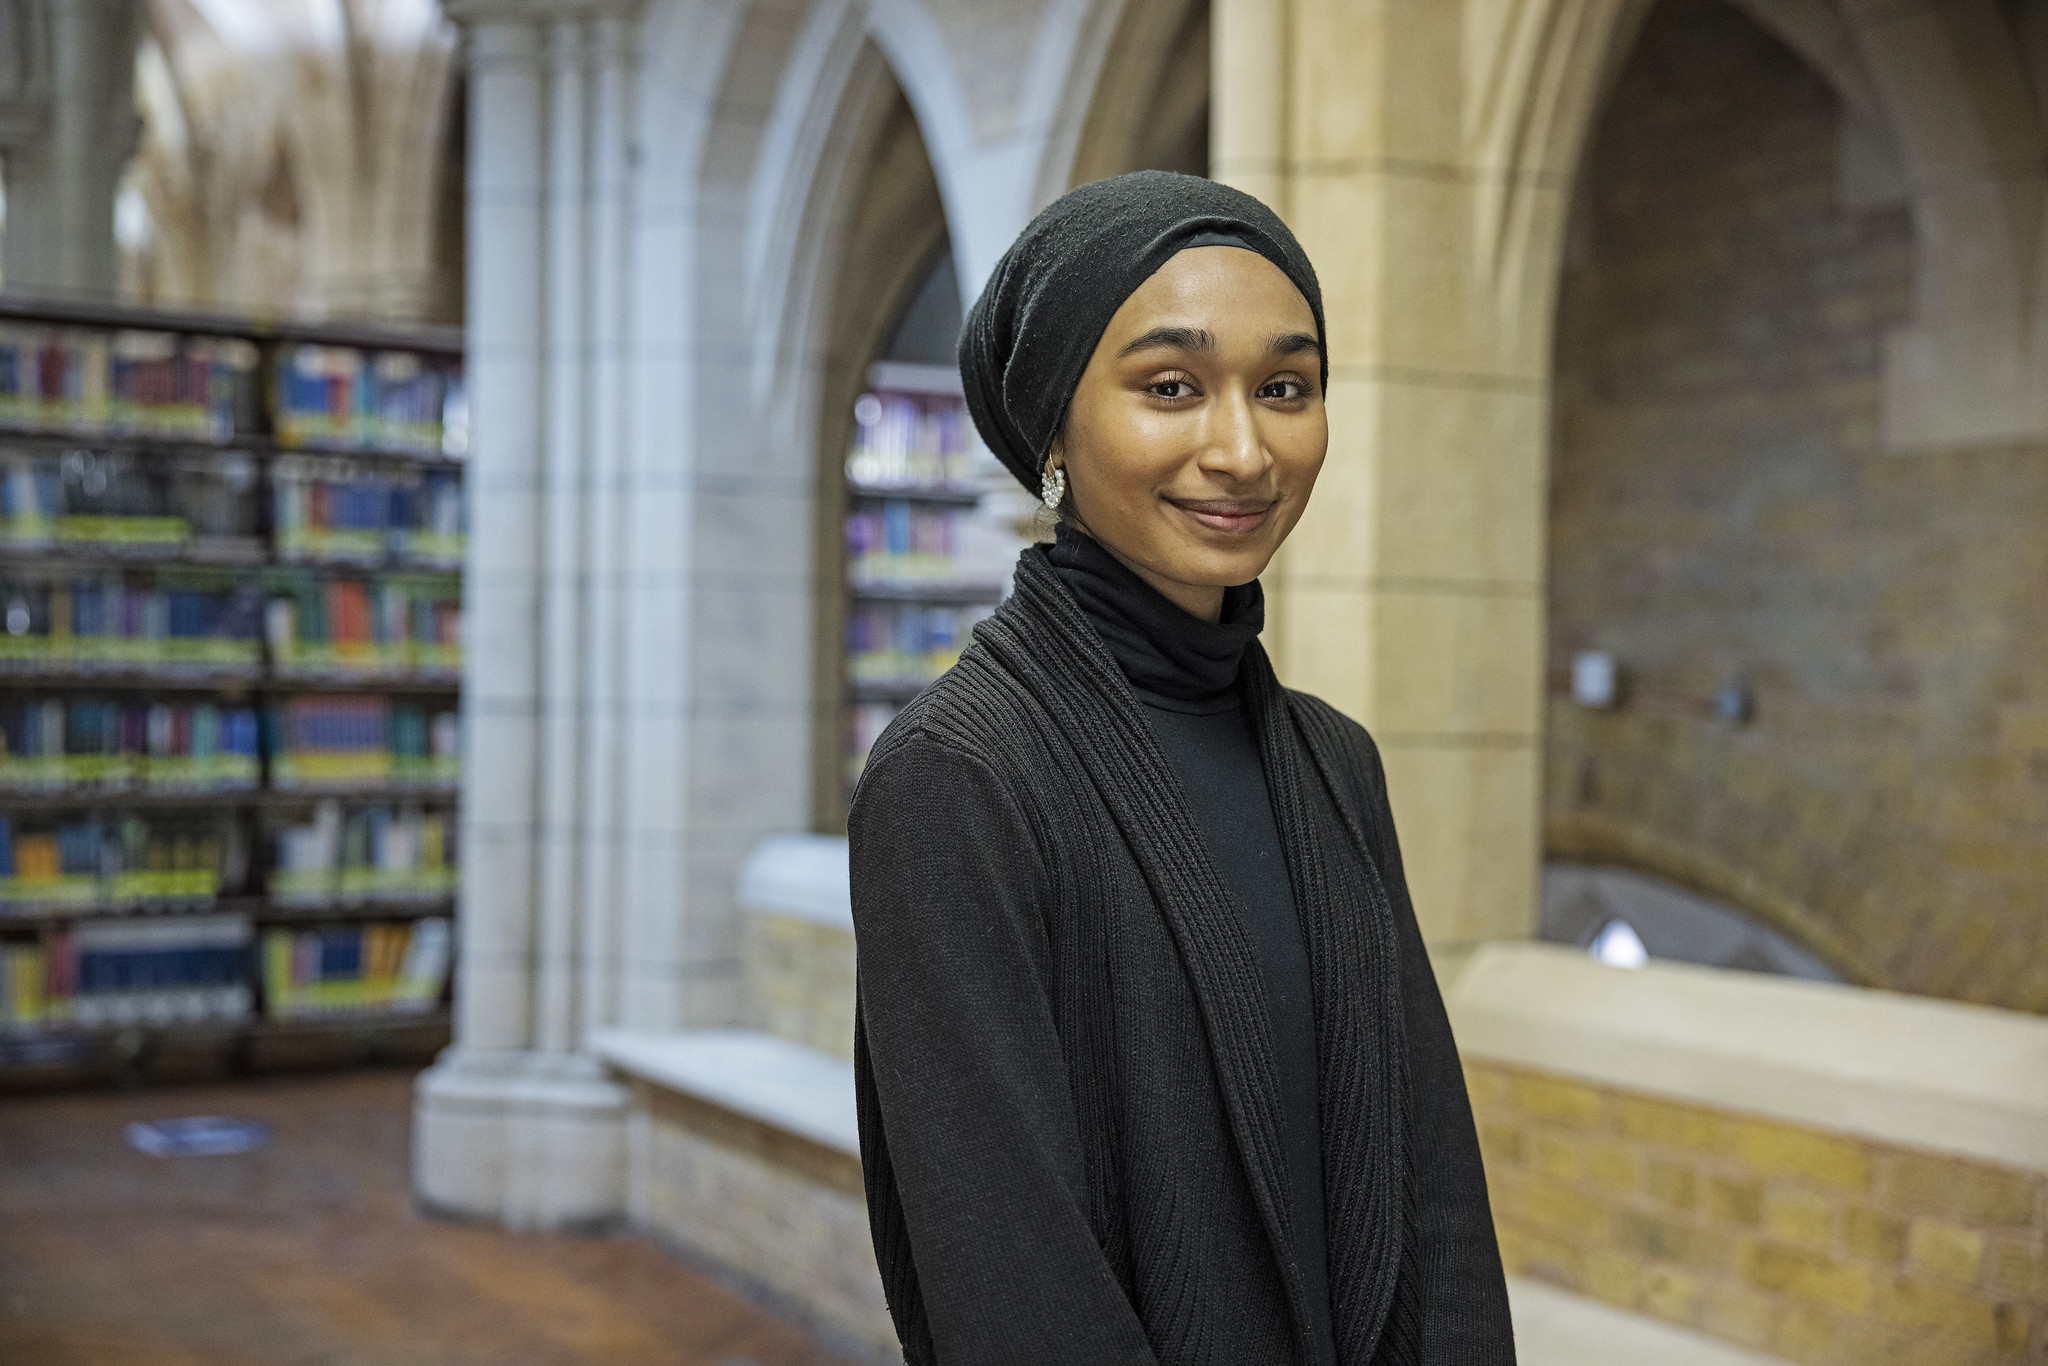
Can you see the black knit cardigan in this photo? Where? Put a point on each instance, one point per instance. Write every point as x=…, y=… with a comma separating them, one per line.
x=1069, y=1114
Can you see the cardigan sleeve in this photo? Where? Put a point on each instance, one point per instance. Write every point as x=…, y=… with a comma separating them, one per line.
x=1465, y=1319
x=969, y=1140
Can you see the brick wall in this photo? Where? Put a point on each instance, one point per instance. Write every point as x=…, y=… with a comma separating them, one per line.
x=1811, y=1246
x=1722, y=509
x=784, y=1214
x=800, y=980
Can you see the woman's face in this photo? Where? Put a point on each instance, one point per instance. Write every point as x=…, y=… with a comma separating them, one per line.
x=1198, y=427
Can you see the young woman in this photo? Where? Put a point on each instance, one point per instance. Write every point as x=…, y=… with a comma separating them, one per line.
x=1151, y=1065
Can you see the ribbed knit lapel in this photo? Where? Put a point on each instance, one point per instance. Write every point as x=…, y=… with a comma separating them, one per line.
x=1042, y=638
x=1347, y=927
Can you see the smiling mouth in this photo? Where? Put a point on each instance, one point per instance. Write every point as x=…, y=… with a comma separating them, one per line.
x=1228, y=515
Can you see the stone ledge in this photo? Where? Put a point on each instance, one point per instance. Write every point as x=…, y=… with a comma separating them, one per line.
x=817, y=1163
x=1897, y=1069
x=773, y=1082
x=1557, y=1328
x=805, y=876
x=765, y=1100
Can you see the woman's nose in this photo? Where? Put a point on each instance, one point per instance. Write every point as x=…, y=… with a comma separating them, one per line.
x=1235, y=446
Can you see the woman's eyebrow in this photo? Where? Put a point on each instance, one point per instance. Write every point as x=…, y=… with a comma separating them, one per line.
x=1171, y=339
x=1293, y=344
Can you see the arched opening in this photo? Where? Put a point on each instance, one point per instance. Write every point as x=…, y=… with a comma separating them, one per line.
x=928, y=328
x=889, y=615
x=1624, y=916
x=1820, y=648
x=895, y=316
x=1150, y=109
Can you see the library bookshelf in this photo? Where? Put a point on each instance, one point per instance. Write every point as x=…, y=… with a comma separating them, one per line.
x=230, y=663
x=925, y=559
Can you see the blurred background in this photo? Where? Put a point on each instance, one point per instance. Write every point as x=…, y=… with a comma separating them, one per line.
x=476, y=476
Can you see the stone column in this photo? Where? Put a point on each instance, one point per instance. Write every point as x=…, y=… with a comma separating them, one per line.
x=72, y=131
x=1247, y=98
x=516, y=1121
x=1411, y=596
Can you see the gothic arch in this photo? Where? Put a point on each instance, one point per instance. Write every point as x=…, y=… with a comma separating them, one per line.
x=999, y=136
x=1714, y=371
x=818, y=205
x=1148, y=103
x=1944, y=93
x=891, y=233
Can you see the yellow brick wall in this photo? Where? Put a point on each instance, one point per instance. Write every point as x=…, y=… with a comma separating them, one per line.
x=799, y=977
x=1722, y=508
x=1815, y=1247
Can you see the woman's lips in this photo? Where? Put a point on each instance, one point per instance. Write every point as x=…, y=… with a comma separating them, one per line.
x=1226, y=515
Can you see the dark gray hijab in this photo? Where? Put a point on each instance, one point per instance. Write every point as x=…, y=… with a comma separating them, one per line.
x=1031, y=333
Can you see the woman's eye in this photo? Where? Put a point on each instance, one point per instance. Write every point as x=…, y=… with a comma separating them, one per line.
x=1171, y=388
x=1282, y=389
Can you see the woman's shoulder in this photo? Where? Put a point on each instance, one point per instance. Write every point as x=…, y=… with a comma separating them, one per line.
x=975, y=716
x=951, y=782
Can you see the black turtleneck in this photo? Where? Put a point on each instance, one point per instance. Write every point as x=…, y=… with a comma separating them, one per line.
x=1184, y=671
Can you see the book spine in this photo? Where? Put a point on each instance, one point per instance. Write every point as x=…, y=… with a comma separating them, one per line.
x=92, y=743
x=179, y=971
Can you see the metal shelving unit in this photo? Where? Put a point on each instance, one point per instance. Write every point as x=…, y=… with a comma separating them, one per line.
x=260, y=909
x=130, y=799
x=253, y=560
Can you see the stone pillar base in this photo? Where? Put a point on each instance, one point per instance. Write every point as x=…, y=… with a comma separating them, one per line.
x=528, y=1140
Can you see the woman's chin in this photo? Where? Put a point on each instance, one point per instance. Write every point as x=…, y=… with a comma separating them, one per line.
x=1209, y=567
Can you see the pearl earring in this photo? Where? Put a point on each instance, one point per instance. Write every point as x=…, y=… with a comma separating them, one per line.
x=1054, y=489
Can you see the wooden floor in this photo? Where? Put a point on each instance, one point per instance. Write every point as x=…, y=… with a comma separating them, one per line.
x=308, y=1253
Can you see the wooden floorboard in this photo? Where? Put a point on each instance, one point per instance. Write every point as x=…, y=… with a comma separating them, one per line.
x=309, y=1253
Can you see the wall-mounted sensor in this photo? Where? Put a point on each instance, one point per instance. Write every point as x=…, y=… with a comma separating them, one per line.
x=1595, y=680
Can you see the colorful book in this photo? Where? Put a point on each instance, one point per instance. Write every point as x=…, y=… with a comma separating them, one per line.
x=190, y=969
x=396, y=968
x=904, y=439
x=120, y=744
x=362, y=742
x=379, y=852
x=347, y=398
x=382, y=625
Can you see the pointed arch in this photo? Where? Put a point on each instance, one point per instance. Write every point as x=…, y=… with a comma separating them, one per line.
x=801, y=221
x=1147, y=105
x=1536, y=75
